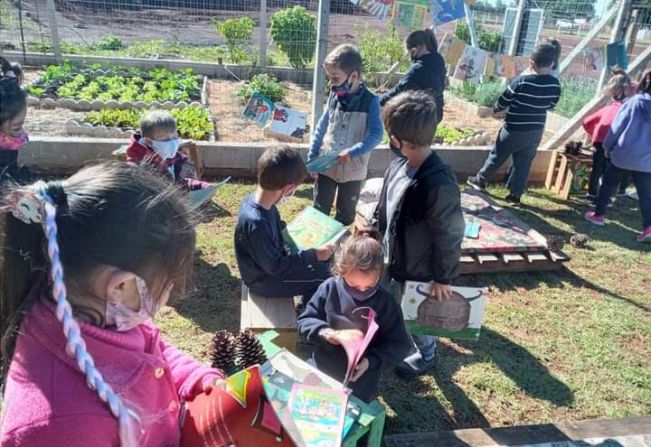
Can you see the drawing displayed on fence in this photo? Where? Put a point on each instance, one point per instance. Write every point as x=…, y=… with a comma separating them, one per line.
x=444, y=11
x=378, y=8
x=289, y=122
x=451, y=48
x=410, y=13
x=471, y=65
x=593, y=59
x=259, y=109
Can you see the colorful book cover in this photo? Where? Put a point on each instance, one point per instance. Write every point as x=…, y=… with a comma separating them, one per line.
x=198, y=197
x=410, y=13
x=289, y=122
x=259, y=108
x=356, y=346
x=318, y=414
x=311, y=229
x=471, y=65
x=616, y=55
x=322, y=163
x=451, y=48
x=458, y=317
x=236, y=412
x=444, y=11
x=379, y=8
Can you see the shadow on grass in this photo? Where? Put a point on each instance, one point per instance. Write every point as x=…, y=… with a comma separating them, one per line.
x=516, y=362
x=215, y=303
x=210, y=211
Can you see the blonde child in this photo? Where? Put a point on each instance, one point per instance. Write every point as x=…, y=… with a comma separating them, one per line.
x=83, y=365
x=334, y=313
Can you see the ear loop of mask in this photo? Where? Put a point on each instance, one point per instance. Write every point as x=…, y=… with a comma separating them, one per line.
x=129, y=422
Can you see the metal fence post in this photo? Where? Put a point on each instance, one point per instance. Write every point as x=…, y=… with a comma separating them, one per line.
x=471, y=25
x=318, y=84
x=54, y=30
x=616, y=35
x=517, y=27
x=263, y=34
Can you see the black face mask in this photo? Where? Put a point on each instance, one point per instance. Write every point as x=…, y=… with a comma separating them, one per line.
x=358, y=295
x=396, y=150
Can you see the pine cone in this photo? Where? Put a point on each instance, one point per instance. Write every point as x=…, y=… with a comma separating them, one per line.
x=223, y=351
x=579, y=240
x=555, y=243
x=249, y=350
x=573, y=147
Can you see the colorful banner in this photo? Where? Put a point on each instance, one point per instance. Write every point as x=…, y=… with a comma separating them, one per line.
x=444, y=11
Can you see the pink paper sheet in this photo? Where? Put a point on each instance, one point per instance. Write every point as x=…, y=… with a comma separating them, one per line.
x=355, y=348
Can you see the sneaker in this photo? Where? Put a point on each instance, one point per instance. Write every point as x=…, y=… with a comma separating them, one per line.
x=476, y=183
x=594, y=218
x=513, y=200
x=414, y=366
x=645, y=237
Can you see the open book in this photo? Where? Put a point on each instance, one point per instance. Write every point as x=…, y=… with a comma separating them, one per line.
x=312, y=229
x=198, y=197
x=355, y=347
x=322, y=163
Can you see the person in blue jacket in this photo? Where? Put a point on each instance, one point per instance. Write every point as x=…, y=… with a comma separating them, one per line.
x=427, y=71
x=628, y=145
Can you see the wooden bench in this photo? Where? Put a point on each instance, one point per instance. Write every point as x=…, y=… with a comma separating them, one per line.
x=262, y=314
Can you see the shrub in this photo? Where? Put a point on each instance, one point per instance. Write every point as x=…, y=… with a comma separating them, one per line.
x=487, y=93
x=264, y=84
x=237, y=33
x=486, y=40
x=108, y=43
x=380, y=53
x=293, y=30
x=575, y=93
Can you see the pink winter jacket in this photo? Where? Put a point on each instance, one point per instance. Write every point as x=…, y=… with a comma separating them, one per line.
x=47, y=401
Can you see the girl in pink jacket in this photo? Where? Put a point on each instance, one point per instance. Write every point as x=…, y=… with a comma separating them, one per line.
x=82, y=364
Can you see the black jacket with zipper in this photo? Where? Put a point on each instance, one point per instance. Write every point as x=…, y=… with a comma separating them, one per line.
x=427, y=228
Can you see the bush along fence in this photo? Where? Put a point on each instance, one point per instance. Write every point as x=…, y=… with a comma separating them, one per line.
x=92, y=87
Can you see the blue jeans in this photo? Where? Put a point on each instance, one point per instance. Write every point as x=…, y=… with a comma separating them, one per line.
x=642, y=182
x=522, y=147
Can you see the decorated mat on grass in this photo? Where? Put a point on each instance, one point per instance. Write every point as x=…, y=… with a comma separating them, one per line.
x=499, y=230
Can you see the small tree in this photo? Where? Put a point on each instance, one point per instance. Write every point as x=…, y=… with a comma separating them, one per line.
x=237, y=33
x=293, y=30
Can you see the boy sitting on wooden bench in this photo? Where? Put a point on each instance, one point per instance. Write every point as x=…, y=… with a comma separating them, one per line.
x=159, y=145
x=266, y=266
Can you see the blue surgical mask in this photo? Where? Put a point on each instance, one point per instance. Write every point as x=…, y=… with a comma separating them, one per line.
x=166, y=149
x=358, y=295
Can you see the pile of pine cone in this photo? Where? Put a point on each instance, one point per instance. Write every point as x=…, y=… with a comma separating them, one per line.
x=235, y=352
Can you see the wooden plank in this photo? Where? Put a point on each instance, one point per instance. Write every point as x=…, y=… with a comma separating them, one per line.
x=551, y=170
x=560, y=177
x=527, y=434
x=467, y=259
x=486, y=258
x=559, y=256
x=535, y=257
x=567, y=186
x=266, y=313
x=511, y=257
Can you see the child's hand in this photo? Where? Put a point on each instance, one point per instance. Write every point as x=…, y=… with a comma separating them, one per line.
x=324, y=253
x=314, y=175
x=329, y=335
x=344, y=156
x=343, y=335
x=440, y=291
x=360, y=369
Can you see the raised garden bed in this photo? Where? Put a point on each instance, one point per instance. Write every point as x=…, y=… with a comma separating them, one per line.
x=193, y=122
x=91, y=87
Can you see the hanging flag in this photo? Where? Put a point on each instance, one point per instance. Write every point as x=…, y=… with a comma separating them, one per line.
x=471, y=65
x=444, y=11
x=616, y=55
x=410, y=13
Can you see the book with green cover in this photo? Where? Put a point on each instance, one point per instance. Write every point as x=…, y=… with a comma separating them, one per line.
x=312, y=229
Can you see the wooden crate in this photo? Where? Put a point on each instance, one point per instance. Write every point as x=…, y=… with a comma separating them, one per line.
x=512, y=262
x=562, y=169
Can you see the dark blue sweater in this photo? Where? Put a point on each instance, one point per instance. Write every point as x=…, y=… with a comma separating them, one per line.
x=331, y=306
x=260, y=251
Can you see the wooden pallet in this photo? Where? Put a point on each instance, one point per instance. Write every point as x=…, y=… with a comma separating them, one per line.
x=561, y=172
x=512, y=262
x=544, y=434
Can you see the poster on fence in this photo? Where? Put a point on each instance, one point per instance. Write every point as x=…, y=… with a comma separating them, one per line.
x=379, y=8
x=451, y=48
x=444, y=11
x=500, y=66
x=259, y=109
x=288, y=124
x=616, y=55
x=471, y=65
x=593, y=59
x=410, y=13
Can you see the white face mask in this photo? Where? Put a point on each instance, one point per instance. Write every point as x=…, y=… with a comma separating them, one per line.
x=125, y=319
x=286, y=197
x=166, y=149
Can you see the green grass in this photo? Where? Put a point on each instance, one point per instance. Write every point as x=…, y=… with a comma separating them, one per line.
x=555, y=346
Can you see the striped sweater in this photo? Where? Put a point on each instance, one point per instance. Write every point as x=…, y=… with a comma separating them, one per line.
x=527, y=98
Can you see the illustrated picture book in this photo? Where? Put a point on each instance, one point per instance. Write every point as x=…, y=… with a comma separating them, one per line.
x=318, y=414
x=259, y=109
x=288, y=124
x=235, y=412
x=321, y=163
x=459, y=317
x=312, y=229
x=471, y=65
x=198, y=197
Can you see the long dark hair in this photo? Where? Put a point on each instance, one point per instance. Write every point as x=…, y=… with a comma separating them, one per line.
x=424, y=37
x=644, y=85
x=111, y=214
x=13, y=99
